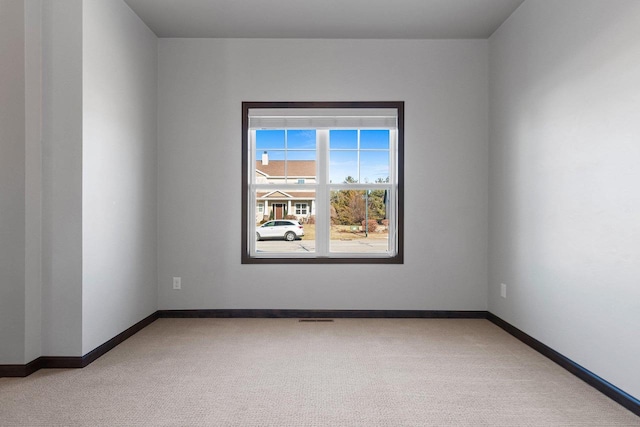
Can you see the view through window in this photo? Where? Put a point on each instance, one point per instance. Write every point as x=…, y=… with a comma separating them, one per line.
x=322, y=182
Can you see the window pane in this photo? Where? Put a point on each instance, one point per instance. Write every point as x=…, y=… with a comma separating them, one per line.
x=343, y=166
x=269, y=139
x=374, y=139
x=302, y=167
x=271, y=167
x=358, y=221
x=287, y=225
x=301, y=155
x=301, y=139
x=343, y=139
x=374, y=166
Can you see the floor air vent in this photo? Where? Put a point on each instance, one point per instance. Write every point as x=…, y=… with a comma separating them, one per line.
x=315, y=320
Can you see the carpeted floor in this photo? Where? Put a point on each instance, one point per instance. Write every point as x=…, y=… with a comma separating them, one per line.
x=281, y=372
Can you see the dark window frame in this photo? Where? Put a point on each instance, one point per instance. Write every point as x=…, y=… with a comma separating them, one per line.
x=246, y=257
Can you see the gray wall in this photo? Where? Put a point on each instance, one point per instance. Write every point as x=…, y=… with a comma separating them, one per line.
x=565, y=193
x=12, y=182
x=119, y=286
x=78, y=152
x=202, y=83
x=33, y=179
x=62, y=178
x=20, y=181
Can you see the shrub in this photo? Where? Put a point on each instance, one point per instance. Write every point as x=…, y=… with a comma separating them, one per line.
x=373, y=225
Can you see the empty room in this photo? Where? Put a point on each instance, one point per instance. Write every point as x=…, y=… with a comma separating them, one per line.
x=319, y=213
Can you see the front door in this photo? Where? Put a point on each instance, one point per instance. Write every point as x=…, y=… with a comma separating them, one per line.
x=278, y=209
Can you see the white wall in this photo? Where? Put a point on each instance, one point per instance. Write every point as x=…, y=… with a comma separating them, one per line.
x=119, y=259
x=12, y=182
x=565, y=193
x=202, y=83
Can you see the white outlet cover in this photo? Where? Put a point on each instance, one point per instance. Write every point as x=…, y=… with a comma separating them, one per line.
x=503, y=290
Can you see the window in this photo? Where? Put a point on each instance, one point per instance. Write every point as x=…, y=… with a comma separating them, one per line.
x=335, y=169
x=301, y=208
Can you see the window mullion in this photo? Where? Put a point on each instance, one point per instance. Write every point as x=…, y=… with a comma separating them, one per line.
x=323, y=214
x=252, y=219
x=251, y=223
x=392, y=203
x=252, y=157
x=358, y=157
x=286, y=156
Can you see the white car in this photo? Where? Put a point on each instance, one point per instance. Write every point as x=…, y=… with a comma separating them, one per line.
x=287, y=229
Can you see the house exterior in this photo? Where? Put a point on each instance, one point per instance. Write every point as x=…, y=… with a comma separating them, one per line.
x=276, y=204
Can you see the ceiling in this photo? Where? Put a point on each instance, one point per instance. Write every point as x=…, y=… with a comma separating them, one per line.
x=325, y=19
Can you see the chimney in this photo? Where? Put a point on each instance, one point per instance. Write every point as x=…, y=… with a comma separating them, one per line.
x=265, y=159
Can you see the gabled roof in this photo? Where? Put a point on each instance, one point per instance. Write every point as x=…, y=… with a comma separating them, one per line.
x=295, y=168
x=308, y=195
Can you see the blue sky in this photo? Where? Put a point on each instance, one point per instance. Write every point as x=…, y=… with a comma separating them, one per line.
x=343, y=154
x=300, y=144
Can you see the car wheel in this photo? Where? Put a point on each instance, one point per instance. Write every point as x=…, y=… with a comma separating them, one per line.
x=258, y=236
x=290, y=236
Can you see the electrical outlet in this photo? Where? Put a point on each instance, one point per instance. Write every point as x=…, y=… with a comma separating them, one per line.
x=177, y=283
x=503, y=290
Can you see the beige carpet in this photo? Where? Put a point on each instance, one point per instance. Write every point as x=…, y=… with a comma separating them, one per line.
x=281, y=372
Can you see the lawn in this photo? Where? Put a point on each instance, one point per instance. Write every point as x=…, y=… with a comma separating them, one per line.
x=343, y=232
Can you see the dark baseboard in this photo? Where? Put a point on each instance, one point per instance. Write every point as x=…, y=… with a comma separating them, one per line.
x=20, y=370
x=53, y=362
x=102, y=349
x=584, y=374
x=323, y=314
